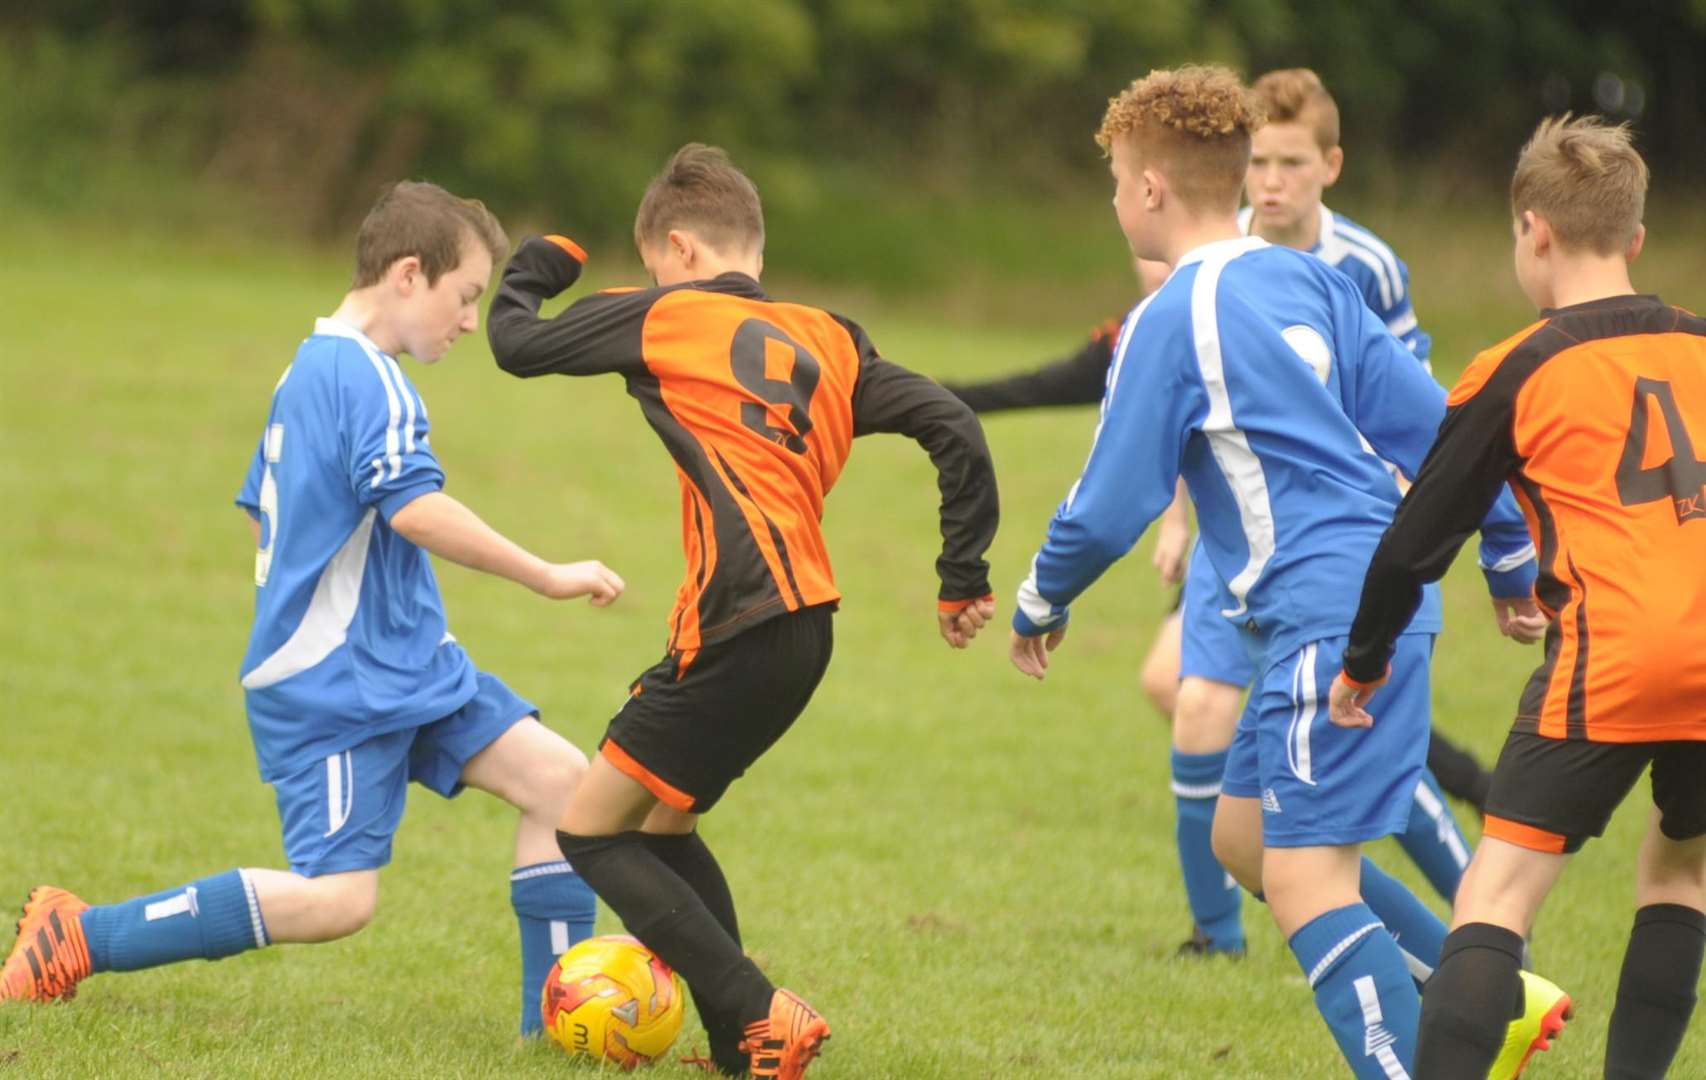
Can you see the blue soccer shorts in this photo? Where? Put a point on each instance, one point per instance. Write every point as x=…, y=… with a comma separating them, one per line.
x=339, y=814
x=1321, y=784
x=1211, y=646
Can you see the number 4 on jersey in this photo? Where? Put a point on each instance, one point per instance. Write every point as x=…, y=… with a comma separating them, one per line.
x=1682, y=478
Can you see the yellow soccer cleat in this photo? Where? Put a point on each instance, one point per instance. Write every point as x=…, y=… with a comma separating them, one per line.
x=1545, y=1009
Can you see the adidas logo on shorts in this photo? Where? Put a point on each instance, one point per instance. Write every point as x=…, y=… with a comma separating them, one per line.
x=1270, y=801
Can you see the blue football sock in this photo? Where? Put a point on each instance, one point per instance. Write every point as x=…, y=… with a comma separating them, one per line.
x=1362, y=989
x=211, y=918
x=555, y=909
x=1433, y=840
x=1418, y=931
x=1216, y=902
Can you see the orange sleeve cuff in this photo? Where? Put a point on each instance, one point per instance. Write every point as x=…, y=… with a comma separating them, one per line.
x=576, y=252
x=1373, y=684
x=954, y=607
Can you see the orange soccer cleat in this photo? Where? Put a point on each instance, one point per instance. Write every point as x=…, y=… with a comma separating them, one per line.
x=51, y=956
x=783, y=1044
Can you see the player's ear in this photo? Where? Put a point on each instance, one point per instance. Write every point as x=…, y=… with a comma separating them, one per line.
x=1335, y=163
x=1154, y=184
x=682, y=246
x=1540, y=229
x=1636, y=242
x=405, y=274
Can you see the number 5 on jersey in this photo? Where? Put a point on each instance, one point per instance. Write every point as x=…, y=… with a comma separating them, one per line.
x=269, y=504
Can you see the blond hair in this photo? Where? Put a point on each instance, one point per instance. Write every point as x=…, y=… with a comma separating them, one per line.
x=701, y=189
x=1296, y=95
x=416, y=218
x=1585, y=177
x=1193, y=123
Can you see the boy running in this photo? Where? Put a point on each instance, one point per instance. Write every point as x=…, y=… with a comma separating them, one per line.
x=353, y=682
x=758, y=402
x=1592, y=415
x=1259, y=375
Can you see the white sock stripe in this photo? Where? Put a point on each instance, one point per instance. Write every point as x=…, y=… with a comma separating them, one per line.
x=1388, y=1059
x=1196, y=791
x=1338, y=950
x=1369, y=999
x=559, y=937
x=255, y=922
x=526, y=873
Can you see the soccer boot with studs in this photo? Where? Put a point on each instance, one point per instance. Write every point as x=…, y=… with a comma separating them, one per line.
x=785, y=1042
x=1545, y=1009
x=50, y=956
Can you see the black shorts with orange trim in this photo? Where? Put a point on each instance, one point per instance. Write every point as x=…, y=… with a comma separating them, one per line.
x=696, y=721
x=1553, y=794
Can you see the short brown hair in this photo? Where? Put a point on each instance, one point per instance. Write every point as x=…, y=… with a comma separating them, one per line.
x=416, y=218
x=1296, y=95
x=702, y=190
x=1585, y=177
x=1195, y=123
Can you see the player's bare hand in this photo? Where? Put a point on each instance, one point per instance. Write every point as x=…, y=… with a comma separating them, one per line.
x=959, y=627
x=1030, y=654
x=1346, y=704
x=1520, y=619
x=591, y=579
x=1172, y=543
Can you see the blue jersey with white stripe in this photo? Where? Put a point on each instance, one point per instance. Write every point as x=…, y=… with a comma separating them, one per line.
x=349, y=639
x=1378, y=272
x=1262, y=377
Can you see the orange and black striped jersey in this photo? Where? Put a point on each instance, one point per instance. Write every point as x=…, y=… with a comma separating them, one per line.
x=758, y=402
x=1592, y=415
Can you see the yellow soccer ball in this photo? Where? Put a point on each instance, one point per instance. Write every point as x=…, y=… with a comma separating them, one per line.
x=611, y=999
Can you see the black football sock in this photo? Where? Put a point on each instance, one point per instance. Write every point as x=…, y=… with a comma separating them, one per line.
x=1458, y=773
x=1655, y=994
x=688, y=856
x=664, y=912
x=1468, y=1003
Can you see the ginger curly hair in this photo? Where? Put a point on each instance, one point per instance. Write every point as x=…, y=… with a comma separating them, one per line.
x=1192, y=123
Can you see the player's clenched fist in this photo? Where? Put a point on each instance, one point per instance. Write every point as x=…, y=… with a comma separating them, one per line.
x=592, y=579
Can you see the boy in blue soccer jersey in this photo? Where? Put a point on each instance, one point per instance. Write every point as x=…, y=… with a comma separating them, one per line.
x=1198, y=668
x=1260, y=376
x=353, y=682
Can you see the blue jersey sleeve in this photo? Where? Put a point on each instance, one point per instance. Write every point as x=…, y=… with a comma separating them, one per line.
x=1148, y=413
x=390, y=462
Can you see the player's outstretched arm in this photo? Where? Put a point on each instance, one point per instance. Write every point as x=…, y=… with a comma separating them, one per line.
x=597, y=334
x=890, y=398
x=1078, y=379
x=448, y=529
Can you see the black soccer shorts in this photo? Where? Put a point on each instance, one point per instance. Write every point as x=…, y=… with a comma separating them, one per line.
x=695, y=722
x=1553, y=794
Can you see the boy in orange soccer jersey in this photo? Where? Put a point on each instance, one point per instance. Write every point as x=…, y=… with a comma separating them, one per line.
x=1591, y=415
x=758, y=402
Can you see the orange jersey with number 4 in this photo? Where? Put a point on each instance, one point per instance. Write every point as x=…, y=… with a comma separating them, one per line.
x=1597, y=415
x=758, y=402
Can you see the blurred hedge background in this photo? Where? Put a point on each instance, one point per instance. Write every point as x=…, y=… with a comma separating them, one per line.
x=894, y=142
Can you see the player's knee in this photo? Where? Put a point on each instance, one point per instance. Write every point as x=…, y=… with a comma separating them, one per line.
x=549, y=778
x=1161, y=684
x=346, y=903
x=1205, y=717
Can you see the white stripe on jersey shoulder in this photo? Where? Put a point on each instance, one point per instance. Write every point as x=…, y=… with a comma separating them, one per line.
x=1238, y=463
x=325, y=624
x=396, y=393
x=1356, y=234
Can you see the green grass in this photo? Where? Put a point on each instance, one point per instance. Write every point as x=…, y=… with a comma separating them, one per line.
x=970, y=873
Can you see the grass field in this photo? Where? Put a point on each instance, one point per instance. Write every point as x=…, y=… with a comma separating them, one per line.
x=971, y=874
